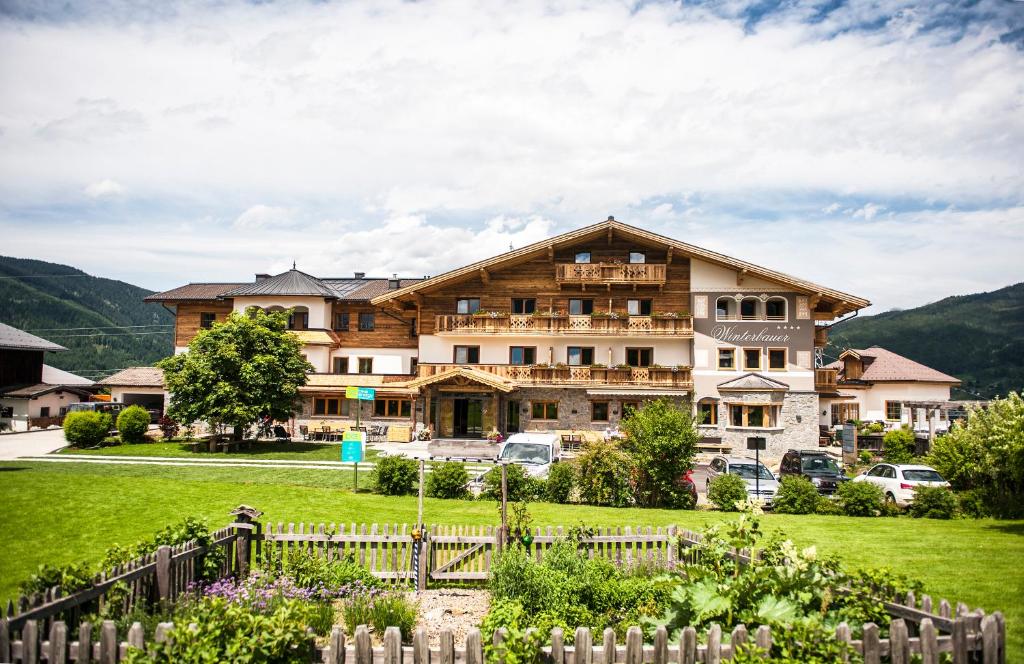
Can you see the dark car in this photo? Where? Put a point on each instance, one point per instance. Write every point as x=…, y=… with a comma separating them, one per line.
x=821, y=469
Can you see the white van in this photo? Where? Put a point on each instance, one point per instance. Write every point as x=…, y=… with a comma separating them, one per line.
x=534, y=451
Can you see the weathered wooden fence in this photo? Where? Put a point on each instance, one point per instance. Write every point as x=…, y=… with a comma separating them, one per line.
x=984, y=645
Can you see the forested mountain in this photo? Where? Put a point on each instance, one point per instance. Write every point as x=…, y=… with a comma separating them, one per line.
x=977, y=338
x=103, y=323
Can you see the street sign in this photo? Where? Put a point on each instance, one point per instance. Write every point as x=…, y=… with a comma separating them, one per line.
x=352, y=446
x=756, y=443
x=361, y=393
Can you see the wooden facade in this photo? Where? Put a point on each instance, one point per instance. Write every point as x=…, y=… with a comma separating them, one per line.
x=391, y=329
x=188, y=319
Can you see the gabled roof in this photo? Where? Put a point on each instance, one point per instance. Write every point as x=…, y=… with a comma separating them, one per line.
x=135, y=377
x=362, y=289
x=466, y=373
x=753, y=382
x=55, y=376
x=292, y=282
x=196, y=291
x=39, y=389
x=11, y=338
x=844, y=302
x=881, y=365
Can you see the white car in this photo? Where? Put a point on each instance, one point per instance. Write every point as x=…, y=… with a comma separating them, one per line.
x=898, y=481
x=757, y=478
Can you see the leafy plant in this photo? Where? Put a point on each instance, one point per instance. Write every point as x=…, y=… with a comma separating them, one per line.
x=898, y=446
x=448, y=480
x=933, y=502
x=865, y=456
x=86, y=428
x=395, y=476
x=168, y=427
x=380, y=610
x=132, y=424
x=69, y=578
x=727, y=491
x=561, y=482
x=860, y=498
x=661, y=440
x=519, y=484
x=603, y=475
x=796, y=495
x=520, y=645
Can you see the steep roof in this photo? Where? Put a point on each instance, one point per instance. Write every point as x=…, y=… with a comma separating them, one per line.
x=881, y=365
x=55, y=376
x=39, y=389
x=196, y=291
x=292, y=282
x=844, y=302
x=753, y=381
x=11, y=338
x=135, y=377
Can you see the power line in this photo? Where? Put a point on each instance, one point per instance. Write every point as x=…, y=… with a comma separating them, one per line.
x=98, y=327
x=112, y=334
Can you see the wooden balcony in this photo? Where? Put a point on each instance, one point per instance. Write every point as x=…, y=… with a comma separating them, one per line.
x=611, y=273
x=515, y=324
x=826, y=380
x=820, y=336
x=679, y=378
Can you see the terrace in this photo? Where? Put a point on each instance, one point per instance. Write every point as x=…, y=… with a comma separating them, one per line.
x=499, y=322
x=675, y=377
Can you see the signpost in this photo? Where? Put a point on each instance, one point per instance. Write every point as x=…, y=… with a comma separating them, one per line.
x=352, y=443
x=848, y=436
x=757, y=443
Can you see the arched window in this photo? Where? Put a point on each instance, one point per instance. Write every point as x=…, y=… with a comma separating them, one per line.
x=725, y=309
x=775, y=308
x=748, y=308
x=299, y=319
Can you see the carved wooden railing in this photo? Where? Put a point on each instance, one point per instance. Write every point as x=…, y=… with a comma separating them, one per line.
x=826, y=380
x=680, y=377
x=619, y=325
x=611, y=273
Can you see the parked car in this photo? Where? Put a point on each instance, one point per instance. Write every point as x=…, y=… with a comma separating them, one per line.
x=898, y=481
x=534, y=451
x=756, y=476
x=820, y=468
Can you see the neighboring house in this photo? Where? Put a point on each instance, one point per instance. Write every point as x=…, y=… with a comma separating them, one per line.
x=31, y=392
x=137, y=386
x=875, y=384
x=568, y=333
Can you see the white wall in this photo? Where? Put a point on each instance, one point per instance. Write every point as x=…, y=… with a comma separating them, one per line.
x=385, y=360
x=440, y=350
x=27, y=408
x=872, y=400
x=319, y=308
x=319, y=357
x=708, y=276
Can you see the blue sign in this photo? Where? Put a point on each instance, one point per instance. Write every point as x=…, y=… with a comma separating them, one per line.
x=352, y=450
x=367, y=394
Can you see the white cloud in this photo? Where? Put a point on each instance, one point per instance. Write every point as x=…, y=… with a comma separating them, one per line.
x=104, y=189
x=831, y=209
x=263, y=216
x=868, y=211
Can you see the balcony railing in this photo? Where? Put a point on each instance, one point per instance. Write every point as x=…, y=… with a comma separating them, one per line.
x=610, y=273
x=826, y=380
x=502, y=323
x=820, y=336
x=679, y=377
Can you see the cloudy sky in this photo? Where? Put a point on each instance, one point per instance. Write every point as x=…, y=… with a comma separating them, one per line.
x=876, y=147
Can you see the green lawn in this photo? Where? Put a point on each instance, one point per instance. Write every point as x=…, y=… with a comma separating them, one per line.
x=60, y=513
x=263, y=450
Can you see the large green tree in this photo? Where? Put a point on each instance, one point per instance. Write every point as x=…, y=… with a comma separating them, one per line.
x=661, y=440
x=237, y=371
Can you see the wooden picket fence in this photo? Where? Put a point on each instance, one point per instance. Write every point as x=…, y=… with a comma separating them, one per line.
x=986, y=645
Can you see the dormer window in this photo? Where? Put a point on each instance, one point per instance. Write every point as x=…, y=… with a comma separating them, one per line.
x=582, y=256
x=637, y=257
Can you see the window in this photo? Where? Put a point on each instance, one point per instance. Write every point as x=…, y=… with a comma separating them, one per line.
x=707, y=413
x=366, y=365
x=467, y=305
x=775, y=308
x=581, y=307
x=748, y=308
x=639, y=357
x=207, y=319
x=522, y=355
x=44, y=411
x=637, y=257
x=727, y=358
x=413, y=365
x=341, y=321
x=6, y=411
x=582, y=256
x=752, y=359
x=341, y=365
x=298, y=320
x=725, y=308
x=638, y=307
x=467, y=354
x=844, y=412
x=598, y=411
x=331, y=406
x=579, y=356
x=777, y=359
x=366, y=321
x=893, y=410
x=628, y=408
x=392, y=408
x=544, y=410
x=524, y=305
x=753, y=415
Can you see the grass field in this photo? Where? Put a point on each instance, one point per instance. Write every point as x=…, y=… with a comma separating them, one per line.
x=59, y=513
x=289, y=451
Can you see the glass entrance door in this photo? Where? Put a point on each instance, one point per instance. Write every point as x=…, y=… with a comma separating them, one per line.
x=468, y=418
x=512, y=417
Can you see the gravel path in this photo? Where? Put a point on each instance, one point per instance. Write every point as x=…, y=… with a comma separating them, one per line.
x=459, y=609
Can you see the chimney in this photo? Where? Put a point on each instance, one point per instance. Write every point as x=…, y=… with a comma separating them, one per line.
x=261, y=277
x=360, y=275
x=394, y=283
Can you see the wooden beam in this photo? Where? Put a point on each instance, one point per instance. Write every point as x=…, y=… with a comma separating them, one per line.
x=485, y=276
x=609, y=236
x=740, y=276
x=668, y=258
x=551, y=253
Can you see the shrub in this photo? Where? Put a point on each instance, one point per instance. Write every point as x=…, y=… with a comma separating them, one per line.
x=933, y=502
x=972, y=504
x=796, y=495
x=603, y=475
x=898, y=446
x=395, y=476
x=662, y=443
x=828, y=506
x=865, y=456
x=86, y=428
x=69, y=578
x=168, y=427
x=725, y=491
x=860, y=498
x=561, y=482
x=520, y=486
x=132, y=424
x=380, y=610
x=448, y=480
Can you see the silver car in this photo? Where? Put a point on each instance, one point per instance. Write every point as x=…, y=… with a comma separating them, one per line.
x=761, y=483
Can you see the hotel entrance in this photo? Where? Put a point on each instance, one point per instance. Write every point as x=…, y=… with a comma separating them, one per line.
x=467, y=417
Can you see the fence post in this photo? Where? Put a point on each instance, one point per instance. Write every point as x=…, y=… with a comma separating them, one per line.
x=245, y=517
x=84, y=643
x=30, y=642
x=5, y=641
x=163, y=572
x=58, y=643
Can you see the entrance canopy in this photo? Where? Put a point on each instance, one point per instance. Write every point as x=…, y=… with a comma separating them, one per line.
x=464, y=376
